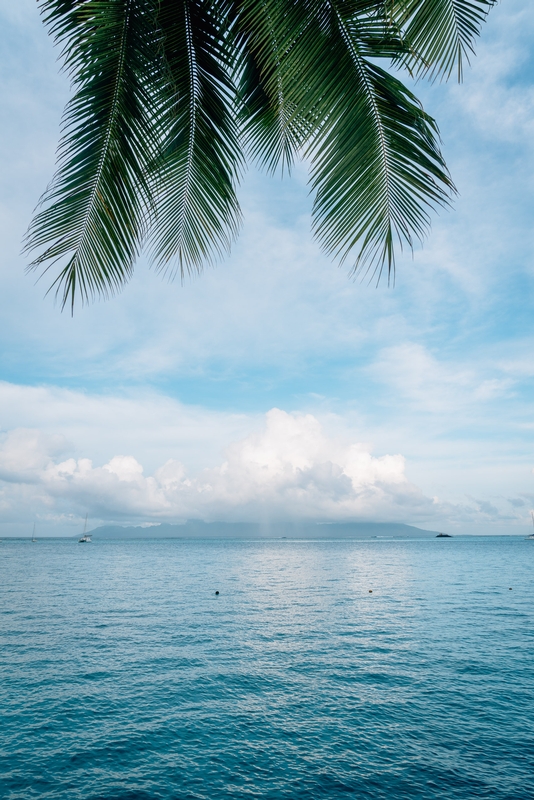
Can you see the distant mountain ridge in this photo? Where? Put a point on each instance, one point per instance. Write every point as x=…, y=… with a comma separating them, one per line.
x=198, y=529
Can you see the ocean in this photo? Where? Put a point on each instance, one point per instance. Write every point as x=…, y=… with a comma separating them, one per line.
x=322, y=669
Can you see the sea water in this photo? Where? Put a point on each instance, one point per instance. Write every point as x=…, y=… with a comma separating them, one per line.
x=322, y=669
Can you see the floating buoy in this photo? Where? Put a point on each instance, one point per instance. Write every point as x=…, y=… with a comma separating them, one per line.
x=510, y=589
x=216, y=592
x=370, y=591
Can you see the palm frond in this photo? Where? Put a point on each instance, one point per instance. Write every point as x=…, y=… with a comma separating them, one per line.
x=378, y=172
x=198, y=214
x=169, y=93
x=93, y=212
x=441, y=33
x=378, y=169
x=375, y=160
x=274, y=130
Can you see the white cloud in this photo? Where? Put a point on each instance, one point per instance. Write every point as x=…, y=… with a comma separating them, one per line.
x=287, y=470
x=98, y=425
x=147, y=457
x=24, y=453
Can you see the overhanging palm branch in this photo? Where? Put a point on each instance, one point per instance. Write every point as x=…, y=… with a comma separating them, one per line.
x=375, y=161
x=197, y=209
x=441, y=33
x=171, y=94
x=96, y=208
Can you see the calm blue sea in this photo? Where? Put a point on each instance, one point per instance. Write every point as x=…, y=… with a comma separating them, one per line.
x=124, y=677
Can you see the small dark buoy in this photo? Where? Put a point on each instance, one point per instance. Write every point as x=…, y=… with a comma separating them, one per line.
x=370, y=591
x=216, y=592
x=510, y=589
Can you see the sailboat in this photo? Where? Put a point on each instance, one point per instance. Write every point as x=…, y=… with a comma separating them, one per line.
x=33, y=534
x=86, y=537
x=532, y=534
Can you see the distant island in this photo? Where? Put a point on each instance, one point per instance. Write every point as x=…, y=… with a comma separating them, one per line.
x=198, y=529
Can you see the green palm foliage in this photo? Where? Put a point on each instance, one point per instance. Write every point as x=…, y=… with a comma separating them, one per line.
x=171, y=97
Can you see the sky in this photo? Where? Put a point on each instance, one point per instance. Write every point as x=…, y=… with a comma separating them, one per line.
x=273, y=386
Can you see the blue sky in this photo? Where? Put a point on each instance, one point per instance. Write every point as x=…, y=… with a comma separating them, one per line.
x=435, y=374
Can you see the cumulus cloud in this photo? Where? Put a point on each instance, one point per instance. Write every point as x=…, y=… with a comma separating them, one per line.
x=149, y=459
x=290, y=469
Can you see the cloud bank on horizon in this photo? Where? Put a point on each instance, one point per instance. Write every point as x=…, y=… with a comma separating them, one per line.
x=288, y=468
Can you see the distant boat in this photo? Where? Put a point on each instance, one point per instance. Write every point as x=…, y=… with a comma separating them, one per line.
x=444, y=536
x=531, y=536
x=33, y=534
x=86, y=537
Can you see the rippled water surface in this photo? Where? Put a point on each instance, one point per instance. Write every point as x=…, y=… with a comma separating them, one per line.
x=124, y=676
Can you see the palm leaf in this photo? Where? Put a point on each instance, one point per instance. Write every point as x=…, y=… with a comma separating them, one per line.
x=375, y=159
x=378, y=169
x=169, y=92
x=197, y=210
x=441, y=33
x=93, y=214
x=272, y=126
